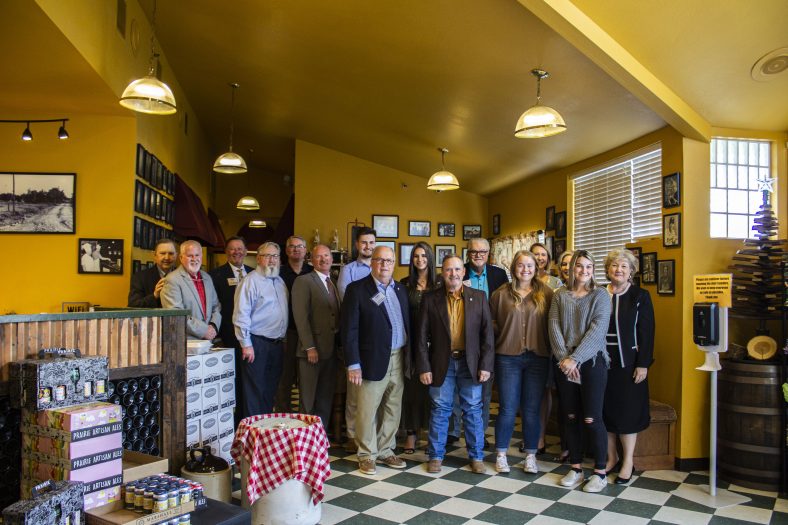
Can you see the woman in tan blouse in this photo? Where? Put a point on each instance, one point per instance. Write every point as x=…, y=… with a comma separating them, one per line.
x=519, y=312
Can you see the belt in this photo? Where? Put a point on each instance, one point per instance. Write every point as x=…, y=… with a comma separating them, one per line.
x=269, y=340
x=457, y=354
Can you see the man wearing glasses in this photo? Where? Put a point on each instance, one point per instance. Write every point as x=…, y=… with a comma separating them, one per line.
x=375, y=334
x=295, y=250
x=260, y=320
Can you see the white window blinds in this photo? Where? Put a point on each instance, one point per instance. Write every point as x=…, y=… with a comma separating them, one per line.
x=616, y=205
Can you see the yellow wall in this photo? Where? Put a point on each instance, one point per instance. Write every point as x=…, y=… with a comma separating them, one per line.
x=333, y=189
x=40, y=271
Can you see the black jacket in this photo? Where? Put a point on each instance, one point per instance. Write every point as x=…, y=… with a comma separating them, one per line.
x=141, y=290
x=495, y=277
x=226, y=293
x=634, y=323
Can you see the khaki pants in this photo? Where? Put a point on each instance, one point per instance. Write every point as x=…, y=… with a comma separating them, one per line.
x=351, y=400
x=385, y=395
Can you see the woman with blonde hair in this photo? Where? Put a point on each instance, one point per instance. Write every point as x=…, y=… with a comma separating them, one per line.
x=563, y=265
x=578, y=321
x=522, y=356
x=543, y=259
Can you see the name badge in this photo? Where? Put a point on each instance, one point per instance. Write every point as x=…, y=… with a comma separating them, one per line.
x=467, y=283
x=232, y=281
x=378, y=298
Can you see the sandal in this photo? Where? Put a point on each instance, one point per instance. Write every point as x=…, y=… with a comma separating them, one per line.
x=412, y=449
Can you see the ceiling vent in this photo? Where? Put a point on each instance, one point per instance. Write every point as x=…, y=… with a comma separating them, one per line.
x=769, y=65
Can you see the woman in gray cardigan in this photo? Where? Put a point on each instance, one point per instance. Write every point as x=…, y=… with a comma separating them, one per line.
x=578, y=321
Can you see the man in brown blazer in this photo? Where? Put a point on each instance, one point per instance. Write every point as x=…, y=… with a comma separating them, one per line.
x=316, y=302
x=455, y=352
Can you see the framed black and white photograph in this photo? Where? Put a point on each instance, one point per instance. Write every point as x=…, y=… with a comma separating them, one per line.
x=37, y=202
x=648, y=268
x=666, y=277
x=560, y=225
x=671, y=190
x=465, y=255
x=405, y=250
x=549, y=218
x=386, y=226
x=443, y=250
x=671, y=230
x=419, y=228
x=559, y=247
x=445, y=229
x=100, y=256
x=390, y=244
x=497, y=224
x=471, y=231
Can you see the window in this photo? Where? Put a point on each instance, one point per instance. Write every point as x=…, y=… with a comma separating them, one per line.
x=617, y=204
x=736, y=166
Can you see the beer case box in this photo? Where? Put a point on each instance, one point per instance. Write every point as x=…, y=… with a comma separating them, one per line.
x=193, y=370
x=115, y=514
x=209, y=429
x=192, y=434
x=222, y=449
x=226, y=422
x=211, y=367
x=137, y=465
x=210, y=398
x=69, y=419
x=91, y=500
x=61, y=504
x=226, y=361
x=227, y=393
x=37, y=469
x=193, y=402
x=64, y=449
x=75, y=463
x=41, y=384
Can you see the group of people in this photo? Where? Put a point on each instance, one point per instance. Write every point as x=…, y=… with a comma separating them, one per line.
x=423, y=353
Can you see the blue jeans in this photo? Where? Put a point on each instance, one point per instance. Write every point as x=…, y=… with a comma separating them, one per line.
x=458, y=377
x=521, y=379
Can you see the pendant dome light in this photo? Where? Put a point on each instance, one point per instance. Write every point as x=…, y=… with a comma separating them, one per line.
x=539, y=121
x=149, y=94
x=248, y=203
x=443, y=180
x=257, y=223
x=230, y=162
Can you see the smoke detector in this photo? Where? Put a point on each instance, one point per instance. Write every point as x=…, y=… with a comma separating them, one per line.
x=769, y=65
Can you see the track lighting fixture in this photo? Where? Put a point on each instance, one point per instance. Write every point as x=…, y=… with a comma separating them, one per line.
x=62, y=134
x=27, y=134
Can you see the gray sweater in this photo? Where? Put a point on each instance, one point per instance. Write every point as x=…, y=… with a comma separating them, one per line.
x=578, y=327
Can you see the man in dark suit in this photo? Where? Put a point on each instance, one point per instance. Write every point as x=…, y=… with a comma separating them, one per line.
x=455, y=353
x=375, y=328
x=315, y=301
x=145, y=289
x=225, y=280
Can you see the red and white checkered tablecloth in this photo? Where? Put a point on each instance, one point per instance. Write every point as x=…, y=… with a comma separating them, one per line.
x=275, y=456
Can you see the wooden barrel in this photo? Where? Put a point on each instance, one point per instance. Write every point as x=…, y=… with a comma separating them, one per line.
x=749, y=429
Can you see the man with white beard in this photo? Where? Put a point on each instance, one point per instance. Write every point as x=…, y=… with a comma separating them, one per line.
x=260, y=319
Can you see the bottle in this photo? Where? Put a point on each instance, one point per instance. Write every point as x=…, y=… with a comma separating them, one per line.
x=155, y=382
x=151, y=395
x=110, y=388
x=128, y=399
x=144, y=408
x=144, y=432
x=155, y=406
x=138, y=445
x=122, y=388
x=127, y=423
x=138, y=421
x=144, y=383
x=150, y=444
x=139, y=396
x=132, y=410
x=153, y=430
x=132, y=435
x=133, y=385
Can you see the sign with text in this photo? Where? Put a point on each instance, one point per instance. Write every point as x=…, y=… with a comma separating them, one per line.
x=713, y=288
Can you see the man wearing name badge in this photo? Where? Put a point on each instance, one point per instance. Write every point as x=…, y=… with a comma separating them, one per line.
x=146, y=285
x=315, y=303
x=294, y=266
x=455, y=353
x=351, y=272
x=260, y=320
x=190, y=288
x=375, y=331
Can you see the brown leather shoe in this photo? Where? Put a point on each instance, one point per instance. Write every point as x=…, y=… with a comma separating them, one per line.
x=367, y=466
x=434, y=466
x=477, y=467
x=392, y=462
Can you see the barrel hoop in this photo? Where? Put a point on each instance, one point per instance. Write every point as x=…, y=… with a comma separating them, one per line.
x=760, y=474
x=744, y=409
x=751, y=380
x=749, y=448
x=746, y=367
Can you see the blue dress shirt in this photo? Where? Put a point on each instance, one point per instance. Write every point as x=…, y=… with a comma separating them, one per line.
x=351, y=273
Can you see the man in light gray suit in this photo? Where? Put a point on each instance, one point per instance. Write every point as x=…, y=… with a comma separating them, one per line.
x=189, y=288
x=315, y=301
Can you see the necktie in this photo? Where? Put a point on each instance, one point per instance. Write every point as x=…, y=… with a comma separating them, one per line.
x=332, y=291
x=240, y=274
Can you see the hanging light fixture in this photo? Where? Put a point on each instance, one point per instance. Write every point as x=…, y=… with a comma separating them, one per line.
x=539, y=121
x=62, y=134
x=27, y=135
x=248, y=203
x=443, y=180
x=230, y=162
x=257, y=223
x=149, y=94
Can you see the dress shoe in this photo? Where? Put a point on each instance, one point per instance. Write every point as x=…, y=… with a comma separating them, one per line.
x=452, y=439
x=367, y=466
x=622, y=481
x=392, y=462
x=434, y=466
x=477, y=467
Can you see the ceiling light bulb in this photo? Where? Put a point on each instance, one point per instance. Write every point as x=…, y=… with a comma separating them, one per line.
x=230, y=163
x=443, y=180
x=248, y=203
x=539, y=121
x=257, y=223
x=26, y=134
x=62, y=134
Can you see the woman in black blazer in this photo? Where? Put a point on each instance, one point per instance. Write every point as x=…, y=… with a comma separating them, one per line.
x=630, y=344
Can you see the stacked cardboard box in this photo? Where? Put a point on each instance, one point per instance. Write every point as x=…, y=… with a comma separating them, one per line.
x=210, y=400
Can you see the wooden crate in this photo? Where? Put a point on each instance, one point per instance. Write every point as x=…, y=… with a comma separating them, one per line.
x=656, y=446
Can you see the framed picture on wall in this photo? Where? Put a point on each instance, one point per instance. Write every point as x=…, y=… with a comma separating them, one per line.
x=386, y=226
x=549, y=218
x=37, y=202
x=671, y=230
x=648, y=268
x=442, y=250
x=445, y=229
x=140, y=164
x=465, y=255
x=390, y=244
x=496, y=224
x=560, y=225
x=405, y=250
x=471, y=231
x=419, y=228
x=100, y=256
x=666, y=277
x=671, y=190
x=559, y=247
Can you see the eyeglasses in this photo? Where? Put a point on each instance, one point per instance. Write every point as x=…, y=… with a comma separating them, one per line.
x=269, y=255
x=383, y=262
x=299, y=246
x=474, y=253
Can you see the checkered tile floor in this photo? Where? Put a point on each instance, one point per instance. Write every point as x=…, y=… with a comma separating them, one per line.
x=457, y=496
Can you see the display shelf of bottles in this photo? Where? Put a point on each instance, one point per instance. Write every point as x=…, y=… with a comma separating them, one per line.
x=140, y=398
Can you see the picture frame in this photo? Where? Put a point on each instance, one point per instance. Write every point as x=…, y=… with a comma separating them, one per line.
x=496, y=224
x=559, y=247
x=637, y=251
x=136, y=265
x=140, y=164
x=405, y=249
x=446, y=229
x=549, y=218
x=671, y=190
x=419, y=228
x=671, y=230
x=465, y=255
x=666, y=277
x=100, y=256
x=549, y=243
x=441, y=251
x=386, y=226
x=648, y=268
x=38, y=202
x=471, y=231
x=390, y=244
x=560, y=225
